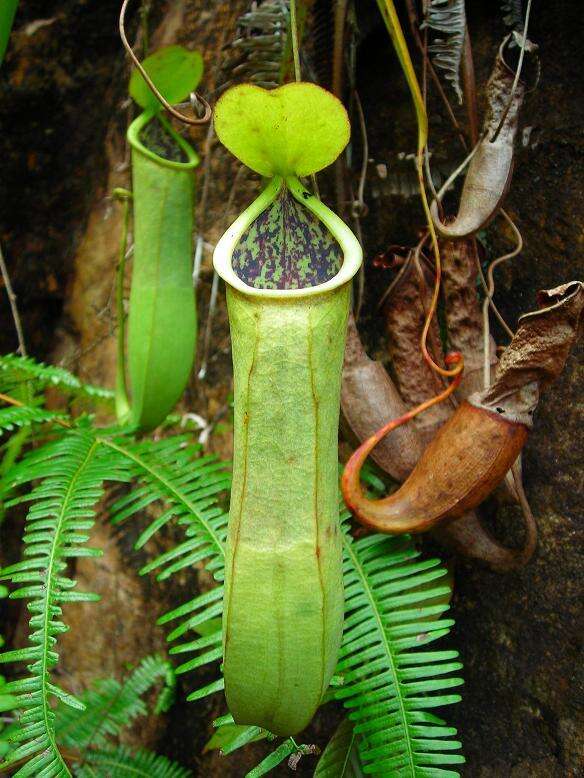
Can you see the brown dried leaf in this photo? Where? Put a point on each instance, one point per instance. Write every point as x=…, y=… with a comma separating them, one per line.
x=405, y=314
x=490, y=170
x=463, y=311
x=468, y=537
x=537, y=354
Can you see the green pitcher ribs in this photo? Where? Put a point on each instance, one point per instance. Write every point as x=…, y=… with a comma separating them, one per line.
x=288, y=263
x=284, y=545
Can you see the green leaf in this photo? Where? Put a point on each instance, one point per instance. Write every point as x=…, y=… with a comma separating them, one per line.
x=340, y=758
x=17, y=371
x=7, y=702
x=392, y=600
x=68, y=473
x=7, y=12
x=176, y=73
x=283, y=751
x=110, y=706
x=296, y=129
x=121, y=763
x=230, y=737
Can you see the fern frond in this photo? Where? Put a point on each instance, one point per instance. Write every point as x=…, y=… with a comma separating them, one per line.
x=14, y=416
x=513, y=14
x=123, y=763
x=394, y=604
x=71, y=470
x=447, y=17
x=259, y=51
x=283, y=751
x=173, y=473
x=16, y=370
x=230, y=737
x=110, y=705
x=340, y=758
x=393, y=600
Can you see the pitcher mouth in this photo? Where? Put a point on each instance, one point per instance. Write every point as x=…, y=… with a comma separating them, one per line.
x=190, y=158
x=350, y=250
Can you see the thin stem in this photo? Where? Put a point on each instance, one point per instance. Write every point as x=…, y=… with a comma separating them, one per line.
x=13, y=305
x=489, y=291
x=414, y=22
x=517, y=74
x=294, y=36
x=459, y=363
x=453, y=176
x=152, y=86
x=528, y=517
x=470, y=88
x=392, y=23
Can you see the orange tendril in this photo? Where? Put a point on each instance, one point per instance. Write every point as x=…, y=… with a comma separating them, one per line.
x=350, y=481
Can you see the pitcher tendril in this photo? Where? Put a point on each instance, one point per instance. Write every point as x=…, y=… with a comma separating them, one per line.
x=205, y=119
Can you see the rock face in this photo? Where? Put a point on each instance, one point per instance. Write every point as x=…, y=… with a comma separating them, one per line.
x=520, y=635
x=61, y=144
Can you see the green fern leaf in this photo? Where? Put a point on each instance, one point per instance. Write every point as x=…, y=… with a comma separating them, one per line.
x=122, y=763
x=14, y=416
x=110, y=705
x=16, y=371
x=513, y=14
x=392, y=601
x=230, y=737
x=71, y=470
x=340, y=758
x=173, y=472
x=284, y=750
x=448, y=18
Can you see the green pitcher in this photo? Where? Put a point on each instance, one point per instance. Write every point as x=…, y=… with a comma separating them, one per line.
x=287, y=262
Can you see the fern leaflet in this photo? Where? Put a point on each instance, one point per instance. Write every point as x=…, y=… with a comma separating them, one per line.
x=72, y=473
x=16, y=370
x=122, y=763
x=189, y=489
x=13, y=417
x=448, y=17
x=172, y=472
x=340, y=758
x=513, y=14
x=392, y=603
x=111, y=705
